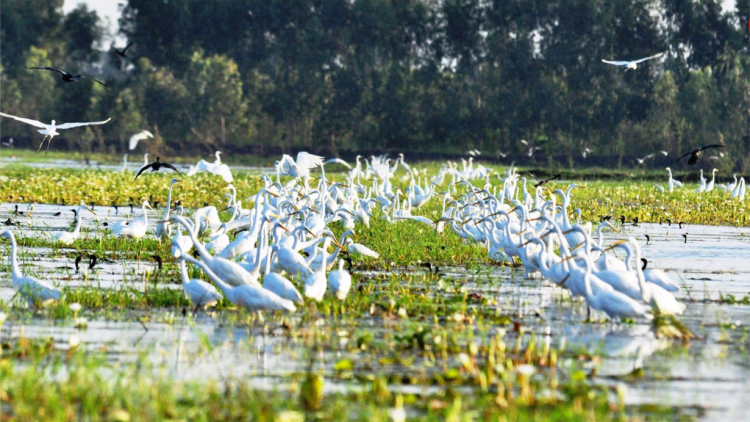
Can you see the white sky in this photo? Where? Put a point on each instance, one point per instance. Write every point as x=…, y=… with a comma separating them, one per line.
x=108, y=9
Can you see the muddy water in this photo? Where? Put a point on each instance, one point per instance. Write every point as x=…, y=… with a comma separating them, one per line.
x=709, y=377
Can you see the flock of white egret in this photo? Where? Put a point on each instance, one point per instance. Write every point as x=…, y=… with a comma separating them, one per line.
x=278, y=255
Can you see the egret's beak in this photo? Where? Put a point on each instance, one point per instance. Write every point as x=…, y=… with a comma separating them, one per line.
x=272, y=193
x=351, y=213
x=163, y=221
x=314, y=210
x=338, y=245
x=311, y=233
x=284, y=228
x=442, y=219
x=90, y=210
x=462, y=224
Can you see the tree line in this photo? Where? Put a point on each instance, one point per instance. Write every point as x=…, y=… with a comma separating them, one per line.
x=419, y=76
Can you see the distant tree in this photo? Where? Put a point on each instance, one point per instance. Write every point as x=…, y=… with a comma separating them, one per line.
x=26, y=23
x=83, y=32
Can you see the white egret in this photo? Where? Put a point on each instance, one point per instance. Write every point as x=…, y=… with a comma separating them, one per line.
x=316, y=283
x=231, y=272
x=299, y=168
x=33, y=289
x=50, y=130
x=133, y=142
x=200, y=293
x=67, y=238
x=632, y=64
x=613, y=303
x=163, y=230
x=340, y=281
x=357, y=249
x=279, y=284
x=134, y=229
x=252, y=298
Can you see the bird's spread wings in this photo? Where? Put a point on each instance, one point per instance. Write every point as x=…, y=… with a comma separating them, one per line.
x=138, y=137
x=338, y=161
x=96, y=80
x=685, y=155
x=126, y=47
x=27, y=121
x=309, y=161
x=144, y=168
x=712, y=146
x=285, y=164
x=616, y=63
x=48, y=68
x=171, y=167
x=648, y=58
x=72, y=125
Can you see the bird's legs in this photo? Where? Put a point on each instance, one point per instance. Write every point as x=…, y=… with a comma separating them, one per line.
x=49, y=141
x=40, y=145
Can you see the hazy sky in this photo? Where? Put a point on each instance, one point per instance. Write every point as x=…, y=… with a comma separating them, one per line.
x=108, y=8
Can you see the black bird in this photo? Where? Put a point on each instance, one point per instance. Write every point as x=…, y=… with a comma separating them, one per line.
x=648, y=239
x=155, y=166
x=16, y=212
x=696, y=153
x=121, y=53
x=622, y=220
x=557, y=176
x=645, y=264
x=157, y=258
x=69, y=77
x=9, y=222
x=57, y=214
x=669, y=222
x=681, y=223
x=635, y=221
x=116, y=210
x=685, y=237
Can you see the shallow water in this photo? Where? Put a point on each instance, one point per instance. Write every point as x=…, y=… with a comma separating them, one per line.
x=710, y=374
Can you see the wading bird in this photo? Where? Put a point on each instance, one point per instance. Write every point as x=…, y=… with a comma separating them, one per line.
x=67, y=238
x=156, y=166
x=33, y=289
x=695, y=154
x=69, y=77
x=632, y=64
x=50, y=130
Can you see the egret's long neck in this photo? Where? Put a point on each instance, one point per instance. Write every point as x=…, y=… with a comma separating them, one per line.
x=645, y=289
x=169, y=202
x=198, y=245
x=225, y=288
x=184, y=272
x=14, y=268
x=145, y=214
x=77, y=229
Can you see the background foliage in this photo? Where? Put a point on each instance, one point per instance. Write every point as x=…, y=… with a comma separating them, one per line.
x=340, y=76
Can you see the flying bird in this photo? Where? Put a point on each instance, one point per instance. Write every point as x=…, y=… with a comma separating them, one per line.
x=632, y=64
x=121, y=53
x=641, y=160
x=139, y=137
x=557, y=176
x=155, y=166
x=50, y=130
x=69, y=77
x=695, y=154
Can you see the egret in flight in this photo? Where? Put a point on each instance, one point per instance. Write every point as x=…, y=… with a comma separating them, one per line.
x=50, y=130
x=139, y=137
x=633, y=64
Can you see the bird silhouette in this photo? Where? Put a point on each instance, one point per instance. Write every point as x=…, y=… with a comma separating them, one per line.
x=695, y=154
x=69, y=77
x=156, y=166
x=121, y=53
